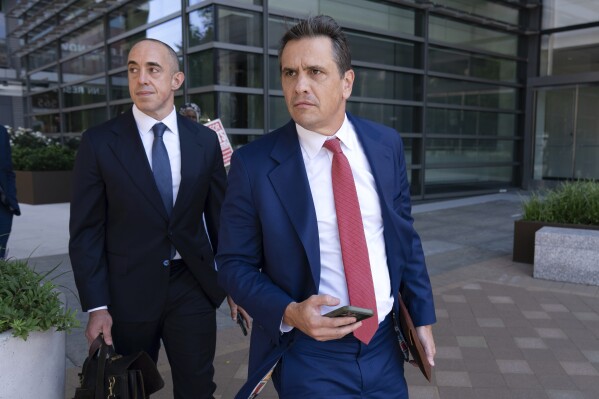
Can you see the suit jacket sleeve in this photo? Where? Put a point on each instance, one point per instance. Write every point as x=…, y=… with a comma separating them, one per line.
x=7, y=180
x=87, y=228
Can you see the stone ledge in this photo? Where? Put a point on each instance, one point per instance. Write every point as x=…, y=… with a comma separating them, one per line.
x=564, y=254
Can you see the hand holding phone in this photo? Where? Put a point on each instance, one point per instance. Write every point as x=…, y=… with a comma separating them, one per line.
x=241, y=325
x=351, y=311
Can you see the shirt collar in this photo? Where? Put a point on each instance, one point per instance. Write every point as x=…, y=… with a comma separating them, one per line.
x=312, y=142
x=145, y=122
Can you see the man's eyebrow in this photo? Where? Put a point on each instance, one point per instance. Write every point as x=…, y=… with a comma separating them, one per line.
x=150, y=63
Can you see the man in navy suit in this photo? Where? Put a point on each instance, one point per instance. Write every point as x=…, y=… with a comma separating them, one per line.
x=142, y=257
x=8, y=191
x=280, y=255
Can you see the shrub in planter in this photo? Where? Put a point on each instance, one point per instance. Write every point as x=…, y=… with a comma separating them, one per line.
x=574, y=202
x=32, y=151
x=571, y=204
x=28, y=303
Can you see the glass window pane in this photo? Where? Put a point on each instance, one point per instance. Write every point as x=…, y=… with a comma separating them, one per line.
x=38, y=32
x=370, y=14
x=274, y=73
x=484, y=8
x=201, y=69
x=139, y=13
x=456, y=92
x=465, y=151
x=449, y=31
x=376, y=83
x=570, y=52
x=168, y=32
x=475, y=123
x=239, y=27
x=84, y=39
x=402, y=118
x=557, y=14
x=85, y=93
x=466, y=64
x=207, y=104
x=201, y=26
x=42, y=80
x=44, y=102
x=277, y=27
x=43, y=56
x=86, y=65
x=241, y=111
x=439, y=181
x=236, y=68
x=278, y=113
x=383, y=50
x=119, y=86
x=79, y=121
x=49, y=123
x=251, y=2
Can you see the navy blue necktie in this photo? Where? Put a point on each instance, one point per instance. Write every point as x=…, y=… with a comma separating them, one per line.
x=161, y=167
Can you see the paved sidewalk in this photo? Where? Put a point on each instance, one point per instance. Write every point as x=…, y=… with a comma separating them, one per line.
x=500, y=333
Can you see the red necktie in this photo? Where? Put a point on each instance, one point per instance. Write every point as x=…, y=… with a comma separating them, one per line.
x=353, y=241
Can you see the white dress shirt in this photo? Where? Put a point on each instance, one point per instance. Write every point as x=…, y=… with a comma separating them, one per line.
x=318, y=161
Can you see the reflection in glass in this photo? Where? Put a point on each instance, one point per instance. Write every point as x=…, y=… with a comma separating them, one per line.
x=484, y=8
x=472, y=123
x=85, y=93
x=450, y=31
x=201, y=69
x=277, y=27
x=207, y=103
x=119, y=86
x=456, y=92
x=274, y=73
x=82, y=40
x=236, y=68
x=448, y=151
x=383, y=50
x=168, y=32
x=44, y=102
x=404, y=119
x=201, y=26
x=139, y=13
x=466, y=64
x=560, y=13
x=239, y=27
x=43, y=56
x=278, y=113
x=240, y=110
x=251, y=2
x=439, y=181
x=42, y=80
x=586, y=159
x=377, y=83
x=570, y=52
x=81, y=67
x=370, y=14
x=78, y=121
x=49, y=123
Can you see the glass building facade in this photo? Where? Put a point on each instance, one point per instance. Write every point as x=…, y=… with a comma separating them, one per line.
x=487, y=94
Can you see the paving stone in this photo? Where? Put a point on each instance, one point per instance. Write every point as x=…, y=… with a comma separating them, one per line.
x=448, y=352
x=513, y=366
x=490, y=322
x=535, y=314
x=503, y=300
x=556, y=381
x=472, y=342
x=579, y=368
x=488, y=380
x=554, y=307
x=592, y=356
x=453, y=379
x=563, y=394
x=423, y=392
x=456, y=393
x=530, y=343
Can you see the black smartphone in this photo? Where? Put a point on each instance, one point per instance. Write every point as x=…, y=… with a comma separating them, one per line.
x=240, y=322
x=351, y=311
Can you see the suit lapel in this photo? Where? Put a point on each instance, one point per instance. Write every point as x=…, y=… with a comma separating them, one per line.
x=130, y=152
x=290, y=182
x=192, y=162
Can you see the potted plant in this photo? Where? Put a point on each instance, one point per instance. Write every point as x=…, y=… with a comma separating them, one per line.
x=573, y=204
x=33, y=326
x=42, y=166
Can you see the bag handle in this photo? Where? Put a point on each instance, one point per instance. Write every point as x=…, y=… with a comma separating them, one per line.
x=103, y=354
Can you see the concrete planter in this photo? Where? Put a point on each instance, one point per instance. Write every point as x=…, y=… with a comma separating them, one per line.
x=34, y=368
x=524, y=238
x=44, y=187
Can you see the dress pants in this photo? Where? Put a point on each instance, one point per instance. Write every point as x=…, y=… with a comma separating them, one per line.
x=5, y=227
x=343, y=368
x=188, y=330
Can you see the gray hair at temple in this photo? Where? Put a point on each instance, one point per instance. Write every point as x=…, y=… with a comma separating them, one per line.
x=321, y=25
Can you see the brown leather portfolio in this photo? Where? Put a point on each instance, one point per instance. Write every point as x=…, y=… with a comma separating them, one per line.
x=414, y=345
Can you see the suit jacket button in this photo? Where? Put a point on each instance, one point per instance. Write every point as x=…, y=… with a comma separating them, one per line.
x=166, y=263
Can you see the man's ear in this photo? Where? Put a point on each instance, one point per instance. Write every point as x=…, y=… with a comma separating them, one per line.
x=177, y=80
x=348, y=83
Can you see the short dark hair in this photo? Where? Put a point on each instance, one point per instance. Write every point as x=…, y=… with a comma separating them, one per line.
x=321, y=25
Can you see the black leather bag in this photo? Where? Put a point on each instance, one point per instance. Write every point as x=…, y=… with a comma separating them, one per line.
x=108, y=375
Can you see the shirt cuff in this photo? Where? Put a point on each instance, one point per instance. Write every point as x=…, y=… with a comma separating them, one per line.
x=98, y=308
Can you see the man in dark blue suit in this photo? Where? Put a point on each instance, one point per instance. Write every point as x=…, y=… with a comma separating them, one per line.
x=8, y=191
x=142, y=257
x=282, y=253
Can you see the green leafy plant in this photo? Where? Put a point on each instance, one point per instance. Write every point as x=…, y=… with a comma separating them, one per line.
x=29, y=302
x=33, y=151
x=575, y=202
